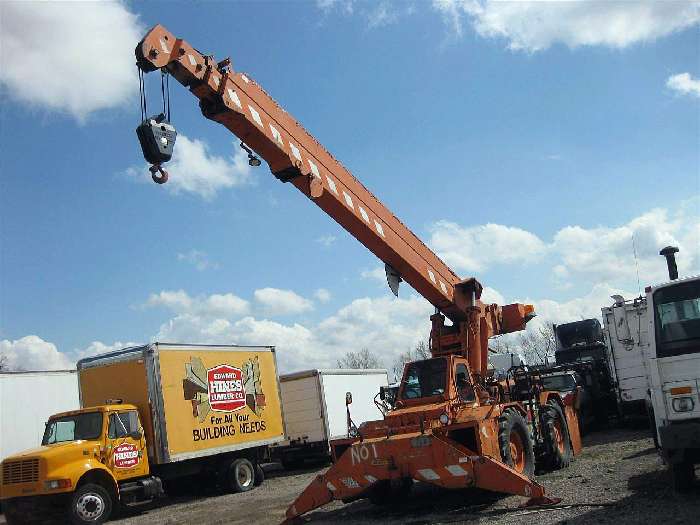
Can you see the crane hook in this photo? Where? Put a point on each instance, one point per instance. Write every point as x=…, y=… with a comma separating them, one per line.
x=158, y=179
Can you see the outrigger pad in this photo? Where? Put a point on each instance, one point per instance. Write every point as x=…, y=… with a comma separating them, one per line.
x=542, y=501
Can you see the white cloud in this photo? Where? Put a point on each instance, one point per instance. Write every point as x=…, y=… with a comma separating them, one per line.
x=322, y=295
x=534, y=26
x=70, y=57
x=377, y=274
x=605, y=254
x=386, y=326
x=685, y=84
x=194, y=169
x=198, y=259
x=592, y=254
x=474, y=248
x=281, y=302
x=381, y=14
x=345, y=6
x=225, y=305
x=31, y=352
x=584, y=307
x=326, y=240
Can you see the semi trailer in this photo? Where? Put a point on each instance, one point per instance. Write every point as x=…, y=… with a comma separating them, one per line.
x=150, y=416
x=313, y=402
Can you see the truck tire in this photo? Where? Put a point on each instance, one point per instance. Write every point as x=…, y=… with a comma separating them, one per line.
x=240, y=475
x=259, y=474
x=556, y=435
x=14, y=516
x=683, y=475
x=91, y=504
x=515, y=442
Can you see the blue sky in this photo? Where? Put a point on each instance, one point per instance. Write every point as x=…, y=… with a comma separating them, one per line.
x=527, y=144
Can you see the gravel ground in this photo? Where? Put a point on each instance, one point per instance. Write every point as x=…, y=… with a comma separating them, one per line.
x=618, y=479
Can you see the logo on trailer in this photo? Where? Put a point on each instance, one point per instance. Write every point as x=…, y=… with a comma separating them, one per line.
x=225, y=388
x=126, y=455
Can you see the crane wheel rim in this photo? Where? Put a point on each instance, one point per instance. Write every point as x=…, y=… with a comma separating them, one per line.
x=558, y=432
x=517, y=451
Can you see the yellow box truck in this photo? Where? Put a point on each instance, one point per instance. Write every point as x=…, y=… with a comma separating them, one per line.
x=151, y=415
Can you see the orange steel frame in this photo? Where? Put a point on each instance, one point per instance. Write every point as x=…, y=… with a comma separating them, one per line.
x=237, y=102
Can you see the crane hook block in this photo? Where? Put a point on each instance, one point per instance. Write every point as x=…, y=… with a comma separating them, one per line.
x=158, y=179
x=157, y=137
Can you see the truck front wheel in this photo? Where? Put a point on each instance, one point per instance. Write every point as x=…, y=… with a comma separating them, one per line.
x=91, y=504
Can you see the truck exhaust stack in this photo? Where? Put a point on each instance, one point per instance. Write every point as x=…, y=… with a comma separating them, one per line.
x=670, y=253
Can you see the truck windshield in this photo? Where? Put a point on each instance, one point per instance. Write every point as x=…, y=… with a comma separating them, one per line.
x=73, y=428
x=425, y=378
x=560, y=383
x=677, y=312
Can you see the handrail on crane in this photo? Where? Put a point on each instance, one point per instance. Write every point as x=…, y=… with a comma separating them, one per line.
x=237, y=102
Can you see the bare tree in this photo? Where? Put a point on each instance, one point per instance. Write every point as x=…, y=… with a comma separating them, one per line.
x=503, y=345
x=362, y=359
x=539, y=345
x=421, y=351
x=3, y=363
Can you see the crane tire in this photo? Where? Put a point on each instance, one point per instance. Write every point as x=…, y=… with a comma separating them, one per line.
x=515, y=442
x=556, y=437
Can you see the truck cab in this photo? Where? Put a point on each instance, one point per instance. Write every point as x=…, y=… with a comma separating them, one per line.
x=86, y=459
x=674, y=370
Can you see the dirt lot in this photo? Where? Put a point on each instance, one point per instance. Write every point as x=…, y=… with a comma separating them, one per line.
x=617, y=479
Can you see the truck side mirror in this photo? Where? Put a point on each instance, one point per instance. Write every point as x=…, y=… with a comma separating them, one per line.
x=348, y=398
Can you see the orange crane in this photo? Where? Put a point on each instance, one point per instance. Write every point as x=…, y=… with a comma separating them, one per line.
x=451, y=425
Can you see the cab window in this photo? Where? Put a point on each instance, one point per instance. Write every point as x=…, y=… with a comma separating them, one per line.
x=425, y=378
x=121, y=424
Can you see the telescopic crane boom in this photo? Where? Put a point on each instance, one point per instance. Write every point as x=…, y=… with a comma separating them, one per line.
x=236, y=101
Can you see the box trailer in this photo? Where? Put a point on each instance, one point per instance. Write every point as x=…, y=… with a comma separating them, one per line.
x=27, y=400
x=315, y=412
x=150, y=416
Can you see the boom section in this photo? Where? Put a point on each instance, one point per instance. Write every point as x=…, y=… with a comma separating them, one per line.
x=294, y=155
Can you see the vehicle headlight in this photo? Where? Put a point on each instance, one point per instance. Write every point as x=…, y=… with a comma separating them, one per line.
x=683, y=404
x=53, y=484
x=444, y=418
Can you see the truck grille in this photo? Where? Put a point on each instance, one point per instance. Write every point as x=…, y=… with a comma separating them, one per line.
x=25, y=471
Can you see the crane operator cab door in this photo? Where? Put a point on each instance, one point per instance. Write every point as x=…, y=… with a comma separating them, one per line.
x=465, y=390
x=126, y=445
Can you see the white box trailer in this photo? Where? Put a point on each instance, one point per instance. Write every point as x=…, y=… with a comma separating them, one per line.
x=313, y=403
x=27, y=399
x=626, y=331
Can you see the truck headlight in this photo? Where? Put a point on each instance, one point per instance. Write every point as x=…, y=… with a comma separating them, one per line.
x=53, y=484
x=683, y=404
x=444, y=418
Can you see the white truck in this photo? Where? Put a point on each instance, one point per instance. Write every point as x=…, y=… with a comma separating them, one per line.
x=27, y=399
x=315, y=410
x=626, y=332
x=668, y=330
